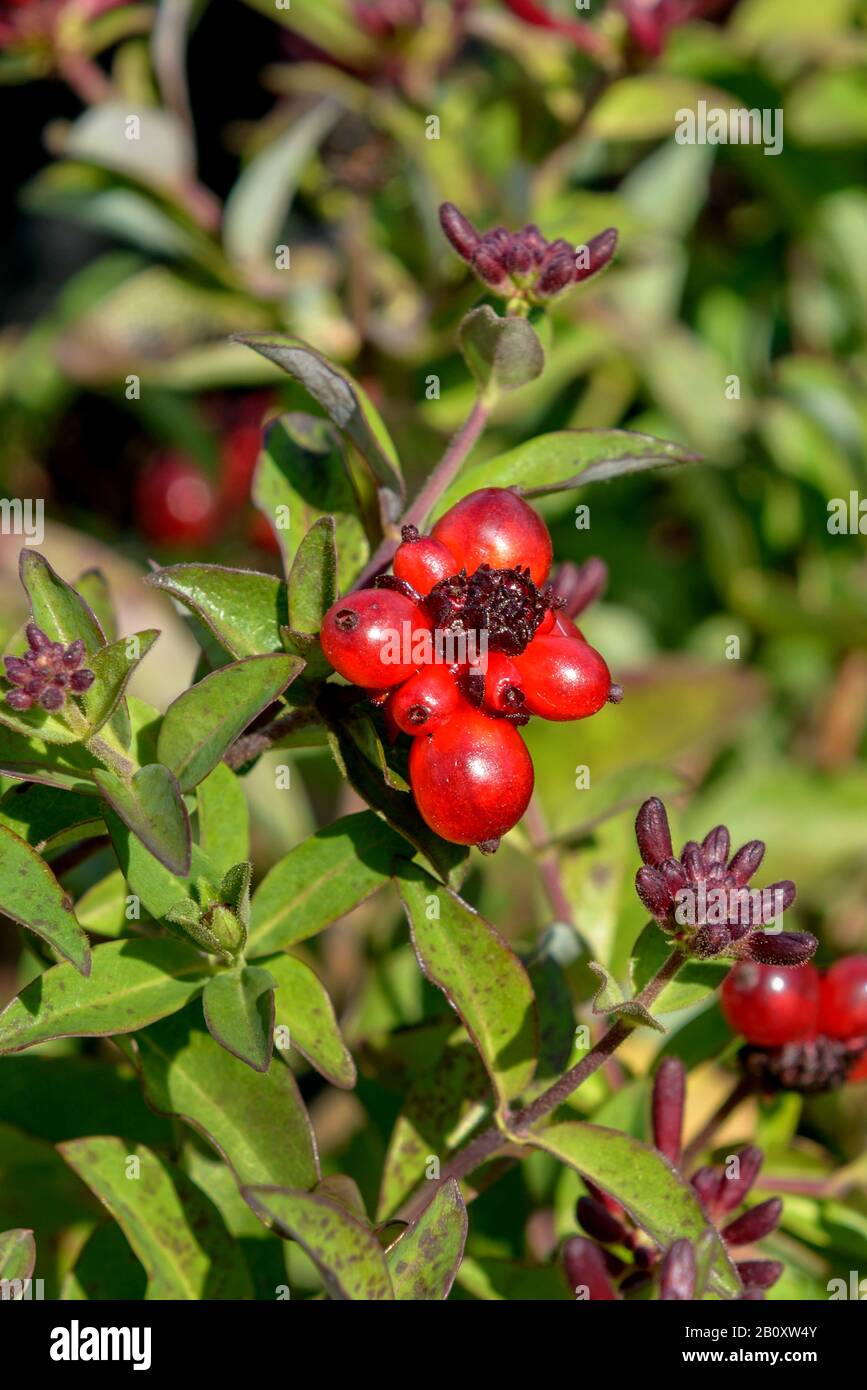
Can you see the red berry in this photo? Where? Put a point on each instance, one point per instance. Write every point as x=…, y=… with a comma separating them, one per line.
x=496, y=527
x=564, y=627
x=176, y=502
x=563, y=679
x=422, y=562
x=772, y=1004
x=425, y=701
x=503, y=691
x=375, y=637
x=472, y=778
x=844, y=999
x=859, y=1070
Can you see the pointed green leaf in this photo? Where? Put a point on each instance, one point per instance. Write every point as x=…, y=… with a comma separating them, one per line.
x=29, y=757
x=106, y=1269
x=303, y=1007
x=480, y=976
x=93, y=587
x=224, y=818
x=239, y=1012
x=342, y=399
x=301, y=477
x=112, y=667
x=151, y=806
x=102, y=908
x=17, y=1255
x=244, y=610
x=695, y=980
x=157, y=887
x=313, y=577
x=56, y=606
x=495, y=1280
x=565, y=459
x=131, y=984
x=173, y=1228
x=203, y=722
x=424, y=1262
x=502, y=353
x=609, y=999
x=48, y=818
x=321, y=879
x=255, y=1120
x=345, y=1252
x=651, y=1189
x=31, y=895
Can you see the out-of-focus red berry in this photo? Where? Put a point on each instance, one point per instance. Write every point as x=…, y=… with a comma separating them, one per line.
x=844, y=999
x=175, y=502
x=772, y=1004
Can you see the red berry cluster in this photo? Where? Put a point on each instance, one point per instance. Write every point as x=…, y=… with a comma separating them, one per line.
x=702, y=897
x=46, y=672
x=524, y=264
x=462, y=643
x=637, y=1261
x=805, y=1031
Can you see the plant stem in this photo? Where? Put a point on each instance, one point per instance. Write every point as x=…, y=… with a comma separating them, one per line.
x=742, y=1090
x=548, y=863
x=495, y=1137
x=445, y=472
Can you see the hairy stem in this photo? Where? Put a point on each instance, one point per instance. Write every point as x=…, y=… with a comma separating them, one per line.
x=445, y=472
x=491, y=1140
x=742, y=1090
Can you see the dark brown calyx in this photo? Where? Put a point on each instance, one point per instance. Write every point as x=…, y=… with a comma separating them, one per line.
x=504, y=604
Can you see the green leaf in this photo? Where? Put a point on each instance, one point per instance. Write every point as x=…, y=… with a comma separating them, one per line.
x=438, y=1105
x=256, y=208
x=173, y=1228
x=643, y=107
x=239, y=1012
x=321, y=879
x=112, y=666
x=45, y=1097
x=256, y=1121
x=397, y=808
x=609, y=999
x=202, y=723
x=313, y=577
x=57, y=608
x=424, y=1262
x=224, y=818
x=27, y=756
x=106, y=1269
x=36, y=724
x=17, y=1255
x=301, y=477
x=244, y=610
x=31, y=895
x=501, y=353
x=151, y=806
x=645, y=1183
x=345, y=1252
x=693, y=983
x=563, y=460
x=303, y=1007
x=102, y=908
x=93, y=587
x=156, y=886
x=496, y=1280
x=619, y=791
x=131, y=984
x=48, y=818
x=480, y=976
x=342, y=399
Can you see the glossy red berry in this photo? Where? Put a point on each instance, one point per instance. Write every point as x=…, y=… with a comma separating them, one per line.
x=859, y=1071
x=843, y=1010
x=472, y=778
x=565, y=627
x=375, y=637
x=176, y=502
x=503, y=691
x=422, y=562
x=563, y=679
x=425, y=701
x=496, y=527
x=770, y=1004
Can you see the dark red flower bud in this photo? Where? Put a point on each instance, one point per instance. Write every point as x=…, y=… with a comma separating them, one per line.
x=746, y=861
x=677, y=1273
x=39, y=640
x=18, y=671
x=754, y=1224
x=674, y=875
x=80, y=681
x=580, y=585
x=780, y=948
x=489, y=268
x=759, y=1274
x=74, y=655
x=653, y=891
x=733, y=1190
x=19, y=700
x=460, y=232
x=534, y=241
x=599, y=1223
x=711, y=941
x=51, y=698
x=610, y=1203
x=557, y=275
x=652, y=832
x=667, y=1107
x=519, y=258
x=600, y=250
x=585, y=1269
x=706, y=1183
x=692, y=860
x=716, y=845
